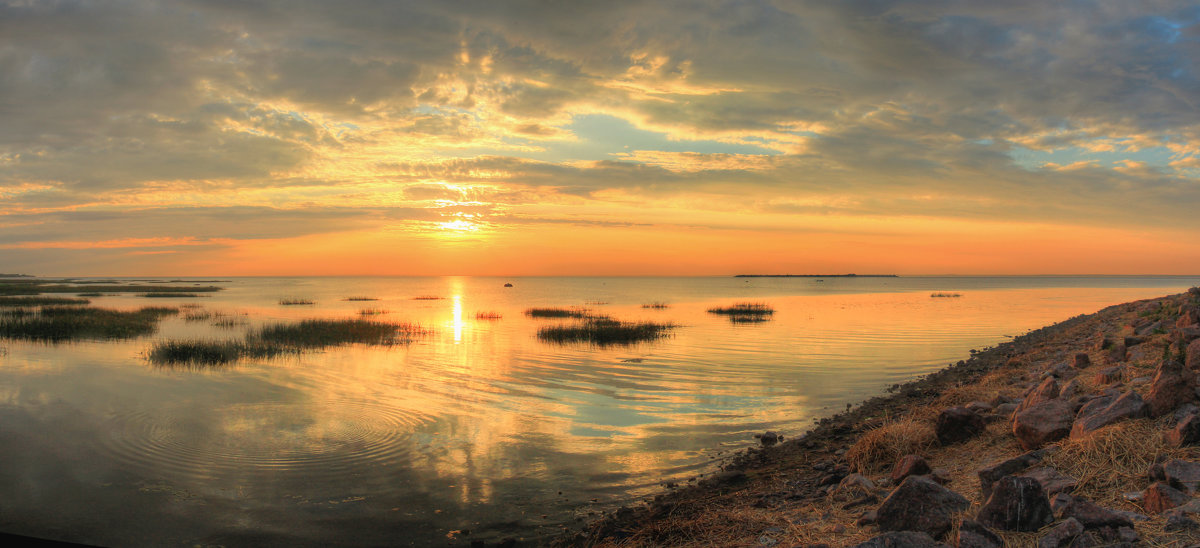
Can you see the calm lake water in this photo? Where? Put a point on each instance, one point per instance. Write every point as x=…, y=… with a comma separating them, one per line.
x=477, y=430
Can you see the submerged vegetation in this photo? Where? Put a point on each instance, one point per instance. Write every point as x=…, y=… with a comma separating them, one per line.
x=605, y=331
x=657, y=305
x=293, y=301
x=40, y=301
x=360, y=298
x=556, y=312
x=372, y=312
x=940, y=294
x=64, y=323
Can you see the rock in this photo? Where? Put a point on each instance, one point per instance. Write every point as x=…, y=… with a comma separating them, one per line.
x=1186, y=432
x=1063, y=371
x=856, y=484
x=979, y=407
x=1082, y=361
x=1183, y=411
x=920, y=504
x=1150, y=328
x=902, y=539
x=1193, y=355
x=1188, y=315
x=1052, y=481
x=1069, y=390
x=990, y=475
x=910, y=465
x=1117, y=352
x=1043, y=423
x=972, y=534
x=1006, y=409
x=768, y=438
x=958, y=424
x=1092, y=516
x=868, y=518
x=1128, y=406
x=1060, y=501
x=1017, y=504
x=1182, y=474
x=1179, y=523
x=1046, y=391
x=1131, y=342
x=1160, y=497
x=1173, y=385
x=1108, y=375
x=941, y=476
x=1061, y=534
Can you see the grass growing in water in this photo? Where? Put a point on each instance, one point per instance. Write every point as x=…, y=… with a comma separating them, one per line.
x=743, y=309
x=63, y=323
x=945, y=294
x=557, y=312
x=293, y=301
x=360, y=299
x=40, y=301
x=427, y=298
x=320, y=333
x=372, y=312
x=197, y=315
x=229, y=322
x=488, y=316
x=656, y=305
x=605, y=331
x=210, y=353
x=170, y=294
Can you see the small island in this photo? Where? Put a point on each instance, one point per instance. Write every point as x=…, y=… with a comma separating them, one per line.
x=816, y=276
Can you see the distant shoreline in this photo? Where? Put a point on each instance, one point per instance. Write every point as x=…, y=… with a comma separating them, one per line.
x=816, y=276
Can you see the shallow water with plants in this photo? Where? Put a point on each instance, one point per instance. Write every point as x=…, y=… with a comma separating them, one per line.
x=446, y=413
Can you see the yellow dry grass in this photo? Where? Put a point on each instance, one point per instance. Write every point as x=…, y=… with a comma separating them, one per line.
x=880, y=448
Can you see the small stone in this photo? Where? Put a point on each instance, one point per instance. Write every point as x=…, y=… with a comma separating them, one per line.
x=1082, y=361
x=972, y=534
x=768, y=438
x=958, y=424
x=1063, y=371
x=1061, y=534
x=1183, y=473
x=910, y=465
x=856, y=483
x=1093, y=516
x=1117, y=352
x=1160, y=497
x=979, y=407
x=920, y=504
x=1006, y=409
x=1131, y=342
x=868, y=518
x=1108, y=375
x=1016, y=504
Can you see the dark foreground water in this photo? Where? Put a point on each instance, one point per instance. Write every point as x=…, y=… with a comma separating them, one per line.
x=479, y=430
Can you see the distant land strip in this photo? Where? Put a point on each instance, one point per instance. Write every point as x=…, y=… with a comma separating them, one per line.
x=817, y=276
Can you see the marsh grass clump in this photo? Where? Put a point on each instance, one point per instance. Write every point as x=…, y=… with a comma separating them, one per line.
x=743, y=309
x=197, y=315
x=372, y=312
x=89, y=294
x=427, y=298
x=488, y=316
x=296, y=301
x=944, y=295
x=556, y=312
x=36, y=286
x=360, y=298
x=318, y=333
x=170, y=295
x=605, y=331
x=229, y=322
x=656, y=305
x=63, y=323
x=211, y=352
x=40, y=301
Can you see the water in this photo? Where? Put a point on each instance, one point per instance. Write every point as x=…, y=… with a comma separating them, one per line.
x=478, y=430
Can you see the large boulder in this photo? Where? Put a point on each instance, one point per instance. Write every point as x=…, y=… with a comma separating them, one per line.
x=1046, y=391
x=1017, y=504
x=1092, y=417
x=920, y=504
x=958, y=424
x=990, y=475
x=1043, y=423
x=1173, y=386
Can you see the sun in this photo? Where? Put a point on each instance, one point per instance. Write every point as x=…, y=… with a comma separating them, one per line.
x=459, y=226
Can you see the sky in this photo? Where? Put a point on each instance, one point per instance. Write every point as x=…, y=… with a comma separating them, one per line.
x=540, y=137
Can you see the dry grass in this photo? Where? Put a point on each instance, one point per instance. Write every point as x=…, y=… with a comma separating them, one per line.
x=880, y=448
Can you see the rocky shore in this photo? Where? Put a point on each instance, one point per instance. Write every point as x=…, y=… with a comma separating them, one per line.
x=1084, y=433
